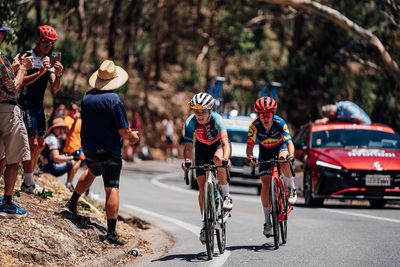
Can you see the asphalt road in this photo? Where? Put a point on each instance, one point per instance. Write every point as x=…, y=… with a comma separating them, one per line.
x=338, y=234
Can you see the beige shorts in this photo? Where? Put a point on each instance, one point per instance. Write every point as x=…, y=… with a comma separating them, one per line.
x=14, y=144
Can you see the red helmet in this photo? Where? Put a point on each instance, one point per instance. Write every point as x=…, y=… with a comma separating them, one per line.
x=47, y=32
x=265, y=104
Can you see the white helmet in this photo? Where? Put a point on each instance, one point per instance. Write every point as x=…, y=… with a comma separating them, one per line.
x=202, y=101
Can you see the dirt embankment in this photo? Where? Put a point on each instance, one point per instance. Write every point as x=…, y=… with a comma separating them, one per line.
x=52, y=236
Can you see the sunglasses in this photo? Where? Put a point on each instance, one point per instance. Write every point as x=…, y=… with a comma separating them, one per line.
x=268, y=115
x=47, y=42
x=201, y=112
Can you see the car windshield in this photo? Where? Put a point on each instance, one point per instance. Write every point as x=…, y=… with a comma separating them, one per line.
x=355, y=138
x=236, y=136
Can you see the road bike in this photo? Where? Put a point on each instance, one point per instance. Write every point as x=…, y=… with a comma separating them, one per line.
x=279, y=206
x=215, y=217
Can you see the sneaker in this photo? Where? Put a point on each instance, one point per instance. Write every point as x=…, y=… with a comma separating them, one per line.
x=33, y=189
x=267, y=230
x=292, y=196
x=72, y=209
x=227, y=204
x=12, y=211
x=202, y=236
x=70, y=187
x=113, y=238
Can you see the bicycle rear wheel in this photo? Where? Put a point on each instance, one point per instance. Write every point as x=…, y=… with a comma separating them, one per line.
x=274, y=211
x=221, y=233
x=284, y=214
x=208, y=220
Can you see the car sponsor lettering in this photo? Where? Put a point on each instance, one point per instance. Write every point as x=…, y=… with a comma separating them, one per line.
x=371, y=153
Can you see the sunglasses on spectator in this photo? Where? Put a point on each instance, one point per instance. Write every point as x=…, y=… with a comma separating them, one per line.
x=201, y=112
x=47, y=42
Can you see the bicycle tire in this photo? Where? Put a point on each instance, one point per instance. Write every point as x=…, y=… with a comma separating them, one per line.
x=274, y=212
x=284, y=209
x=221, y=233
x=208, y=220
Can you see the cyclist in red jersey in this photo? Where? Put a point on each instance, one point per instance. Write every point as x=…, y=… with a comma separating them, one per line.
x=274, y=140
x=211, y=146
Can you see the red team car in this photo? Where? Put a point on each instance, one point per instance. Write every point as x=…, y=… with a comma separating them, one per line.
x=349, y=161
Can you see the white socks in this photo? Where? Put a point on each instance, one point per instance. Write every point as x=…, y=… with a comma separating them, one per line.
x=28, y=179
x=266, y=215
x=225, y=189
x=289, y=182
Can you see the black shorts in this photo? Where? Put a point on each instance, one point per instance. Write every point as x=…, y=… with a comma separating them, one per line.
x=35, y=121
x=105, y=163
x=204, y=154
x=268, y=154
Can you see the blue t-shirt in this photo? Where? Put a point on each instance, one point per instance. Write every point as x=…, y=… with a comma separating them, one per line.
x=349, y=111
x=103, y=114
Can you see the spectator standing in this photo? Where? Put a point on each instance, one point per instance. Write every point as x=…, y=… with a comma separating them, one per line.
x=168, y=136
x=73, y=145
x=104, y=126
x=344, y=111
x=14, y=146
x=55, y=162
x=31, y=100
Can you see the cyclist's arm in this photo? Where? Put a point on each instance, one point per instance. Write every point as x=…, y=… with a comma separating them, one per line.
x=187, y=152
x=251, y=140
x=290, y=146
x=226, y=148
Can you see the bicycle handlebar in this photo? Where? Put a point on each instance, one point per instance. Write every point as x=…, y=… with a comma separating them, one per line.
x=206, y=167
x=275, y=162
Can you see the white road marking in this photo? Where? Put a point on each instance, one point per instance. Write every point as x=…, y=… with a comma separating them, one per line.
x=217, y=261
x=361, y=215
x=156, y=181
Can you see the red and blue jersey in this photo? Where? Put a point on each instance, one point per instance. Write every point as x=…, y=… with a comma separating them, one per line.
x=208, y=133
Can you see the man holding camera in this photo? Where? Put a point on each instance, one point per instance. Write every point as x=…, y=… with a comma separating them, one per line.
x=32, y=96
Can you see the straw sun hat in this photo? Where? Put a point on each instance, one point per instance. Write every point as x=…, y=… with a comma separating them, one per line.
x=108, y=76
x=57, y=122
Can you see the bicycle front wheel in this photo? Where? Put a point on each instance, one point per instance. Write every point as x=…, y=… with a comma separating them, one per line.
x=208, y=220
x=284, y=214
x=221, y=233
x=274, y=211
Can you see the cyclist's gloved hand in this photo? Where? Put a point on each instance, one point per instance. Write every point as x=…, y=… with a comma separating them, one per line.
x=186, y=165
x=289, y=157
x=253, y=162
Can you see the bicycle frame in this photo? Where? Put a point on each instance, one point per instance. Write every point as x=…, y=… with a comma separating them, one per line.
x=213, y=214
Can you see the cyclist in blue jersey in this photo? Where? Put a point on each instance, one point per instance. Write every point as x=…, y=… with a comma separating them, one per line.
x=274, y=141
x=32, y=96
x=211, y=146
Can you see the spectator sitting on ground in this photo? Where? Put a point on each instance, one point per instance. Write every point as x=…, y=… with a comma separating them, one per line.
x=345, y=111
x=14, y=145
x=54, y=162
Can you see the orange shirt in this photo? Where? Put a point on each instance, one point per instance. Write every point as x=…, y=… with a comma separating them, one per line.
x=73, y=141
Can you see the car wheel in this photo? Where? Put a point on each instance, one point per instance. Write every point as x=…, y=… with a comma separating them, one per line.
x=309, y=201
x=193, y=181
x=377, y=203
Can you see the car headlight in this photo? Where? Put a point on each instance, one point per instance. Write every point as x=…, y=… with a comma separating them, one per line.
x=328, y=165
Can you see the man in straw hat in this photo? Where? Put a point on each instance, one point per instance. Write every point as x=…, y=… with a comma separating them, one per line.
x=104, y=126
x=14, y=146
x=54, y=161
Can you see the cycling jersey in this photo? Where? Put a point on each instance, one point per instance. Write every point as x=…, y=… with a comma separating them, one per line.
x=208, y=133
x=32, y=95
x=277, y=134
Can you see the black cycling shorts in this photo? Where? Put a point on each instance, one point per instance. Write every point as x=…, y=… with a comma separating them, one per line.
x=107, y=164
x=35, y=121
x=269, y=154
x=204, y=154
